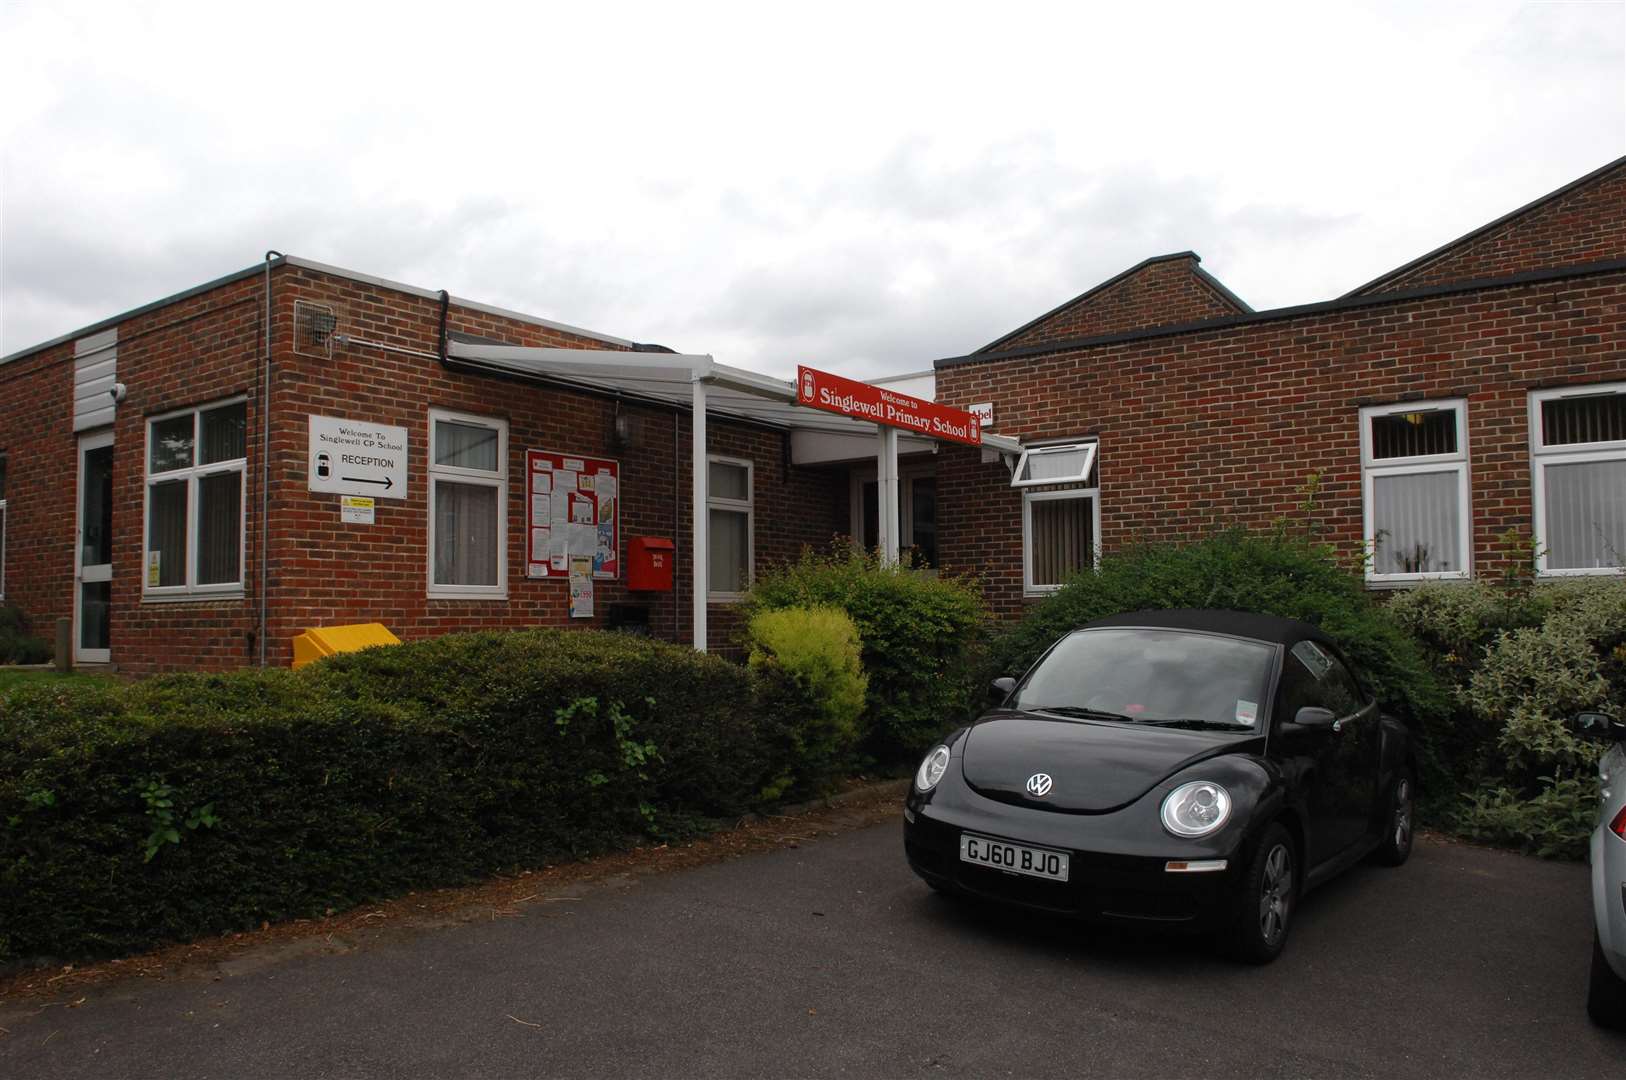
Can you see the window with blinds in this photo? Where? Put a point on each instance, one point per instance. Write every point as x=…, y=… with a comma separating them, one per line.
x=196, y=470
x=1414, y=472
x=1061, y=513
x=1578, y=443
x=728, y=527
x=468, y=477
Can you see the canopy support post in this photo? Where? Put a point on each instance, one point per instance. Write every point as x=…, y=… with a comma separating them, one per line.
x=886, y=474
x=700, y=552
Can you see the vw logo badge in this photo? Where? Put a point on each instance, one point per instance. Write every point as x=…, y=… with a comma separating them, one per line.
x=1039, y=785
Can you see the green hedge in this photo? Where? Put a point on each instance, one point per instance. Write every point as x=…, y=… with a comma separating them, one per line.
x=921, y=635
x=17, y=645
x=186, y=805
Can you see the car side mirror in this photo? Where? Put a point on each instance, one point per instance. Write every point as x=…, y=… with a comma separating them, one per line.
x=1314, y=716
x=1599, y=725
x=1000, y=689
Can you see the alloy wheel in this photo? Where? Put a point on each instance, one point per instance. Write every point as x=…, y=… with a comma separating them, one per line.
x=1276, y=894
x=1402, y=819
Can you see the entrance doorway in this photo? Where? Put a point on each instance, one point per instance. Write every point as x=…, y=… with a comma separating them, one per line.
x=93, y=559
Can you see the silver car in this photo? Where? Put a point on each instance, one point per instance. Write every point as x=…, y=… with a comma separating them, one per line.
x=1606, y=996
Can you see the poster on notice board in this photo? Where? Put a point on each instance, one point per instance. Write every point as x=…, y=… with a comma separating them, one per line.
x=572, y=510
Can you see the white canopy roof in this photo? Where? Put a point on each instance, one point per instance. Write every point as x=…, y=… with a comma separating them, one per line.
x=667, y=378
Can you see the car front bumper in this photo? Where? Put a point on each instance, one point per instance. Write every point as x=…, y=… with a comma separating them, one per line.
x=1119, y=886
x=1608, y=853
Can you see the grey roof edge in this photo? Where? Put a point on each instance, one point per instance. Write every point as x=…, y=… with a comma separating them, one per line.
x=1342, y=303
x=1488, y=227
x=335, y=271
x=1208, y=278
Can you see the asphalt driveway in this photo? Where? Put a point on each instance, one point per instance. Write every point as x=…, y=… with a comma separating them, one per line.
x=831, y=959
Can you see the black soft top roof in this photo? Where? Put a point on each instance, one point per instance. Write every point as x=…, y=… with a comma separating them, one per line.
x=1271, y=628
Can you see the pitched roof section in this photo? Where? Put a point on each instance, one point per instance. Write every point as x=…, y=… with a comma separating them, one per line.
x=1161, y=290
x=1582, y=222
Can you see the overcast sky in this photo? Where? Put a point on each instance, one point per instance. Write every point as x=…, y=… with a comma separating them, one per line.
x=864, y=188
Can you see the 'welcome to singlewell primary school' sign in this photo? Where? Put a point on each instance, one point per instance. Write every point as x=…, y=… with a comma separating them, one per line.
x=865, y=401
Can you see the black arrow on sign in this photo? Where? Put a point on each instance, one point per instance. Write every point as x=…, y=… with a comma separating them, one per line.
x=387, y=482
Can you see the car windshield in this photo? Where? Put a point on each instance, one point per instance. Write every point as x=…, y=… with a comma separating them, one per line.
x=1170, y=677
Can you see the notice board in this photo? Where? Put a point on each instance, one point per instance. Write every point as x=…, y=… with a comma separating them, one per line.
x=573, y=508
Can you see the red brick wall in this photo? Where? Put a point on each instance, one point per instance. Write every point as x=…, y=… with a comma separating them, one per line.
x=36, y=435
x=207, y=348
x=1586, y=225
x=1202, y=430
x=1158, y=294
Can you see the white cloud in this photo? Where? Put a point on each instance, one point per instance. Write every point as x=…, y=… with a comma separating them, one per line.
x=862, y=187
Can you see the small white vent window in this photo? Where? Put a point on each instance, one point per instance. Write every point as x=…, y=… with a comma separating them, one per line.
x=1067, y=464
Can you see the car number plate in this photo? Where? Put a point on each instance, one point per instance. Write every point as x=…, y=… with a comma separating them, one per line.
x=1013, y=858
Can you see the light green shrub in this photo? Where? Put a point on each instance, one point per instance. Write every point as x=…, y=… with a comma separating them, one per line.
x=817, y=651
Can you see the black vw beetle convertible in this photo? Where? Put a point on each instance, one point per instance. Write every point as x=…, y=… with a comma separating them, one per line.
x=1199, y=769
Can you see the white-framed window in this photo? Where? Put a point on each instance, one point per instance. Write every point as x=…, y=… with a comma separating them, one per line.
x=1061, y=535
x=730, y=527
x=1414, y=491
x=2, y=526
x=1061, y=513
x=468, y=506
x=194, y=502
x=1578, y=477
x=1068, y=463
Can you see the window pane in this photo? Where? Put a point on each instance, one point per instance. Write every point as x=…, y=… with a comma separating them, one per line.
x=923, y=511
x=171, y=444
x=96, y=508
x=465, y=446
x=166, y=534
x=729, y=538
x=465, y=534
x=220, y=528
x=1600, y=418
x=870, y=495
x=1416, y=522
x=729, y=481
x=1059, y=464
x=224, y=433
x=1586, y=515
x=94, y=600
x=1414, y=434
x=1062, y=541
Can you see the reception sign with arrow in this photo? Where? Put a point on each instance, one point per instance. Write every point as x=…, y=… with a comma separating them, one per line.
x=357, y=457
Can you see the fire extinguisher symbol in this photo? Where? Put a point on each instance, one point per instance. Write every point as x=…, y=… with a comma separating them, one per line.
x=807, y=386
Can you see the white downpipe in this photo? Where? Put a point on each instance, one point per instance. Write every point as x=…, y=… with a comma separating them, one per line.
x=700, y=552
x=886, y=472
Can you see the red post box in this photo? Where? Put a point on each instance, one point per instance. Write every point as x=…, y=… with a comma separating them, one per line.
x=649, y=563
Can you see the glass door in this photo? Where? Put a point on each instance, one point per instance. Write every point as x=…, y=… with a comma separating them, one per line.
x=93, y=561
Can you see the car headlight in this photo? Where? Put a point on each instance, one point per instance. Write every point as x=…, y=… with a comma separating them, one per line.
x=1195, y=809
x=932, y=769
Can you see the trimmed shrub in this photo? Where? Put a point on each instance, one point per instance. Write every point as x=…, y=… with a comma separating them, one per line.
x=17, y=645
x=1271, y=574
x=812, y=691
x=1521, y=661
x=194, y=804
x=920, y=637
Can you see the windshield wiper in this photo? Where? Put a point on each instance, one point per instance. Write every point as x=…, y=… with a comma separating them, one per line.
x=1192, y=724
x=1081, y=711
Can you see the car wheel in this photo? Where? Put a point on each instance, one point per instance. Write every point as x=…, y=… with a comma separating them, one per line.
x=1606, y=994
x=1263, y=909
x=1395, y=847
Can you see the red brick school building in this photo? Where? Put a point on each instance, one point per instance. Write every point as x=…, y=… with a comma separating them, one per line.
x=195, y=482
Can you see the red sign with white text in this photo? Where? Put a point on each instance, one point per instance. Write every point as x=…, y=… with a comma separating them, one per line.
x=866, y=401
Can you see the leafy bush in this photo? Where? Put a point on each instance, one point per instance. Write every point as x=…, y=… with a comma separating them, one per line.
x=813, y=692
x=17, y=645
x=1522, y=660
x=920, y=635
x=193, y=804
x=1239, y=571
